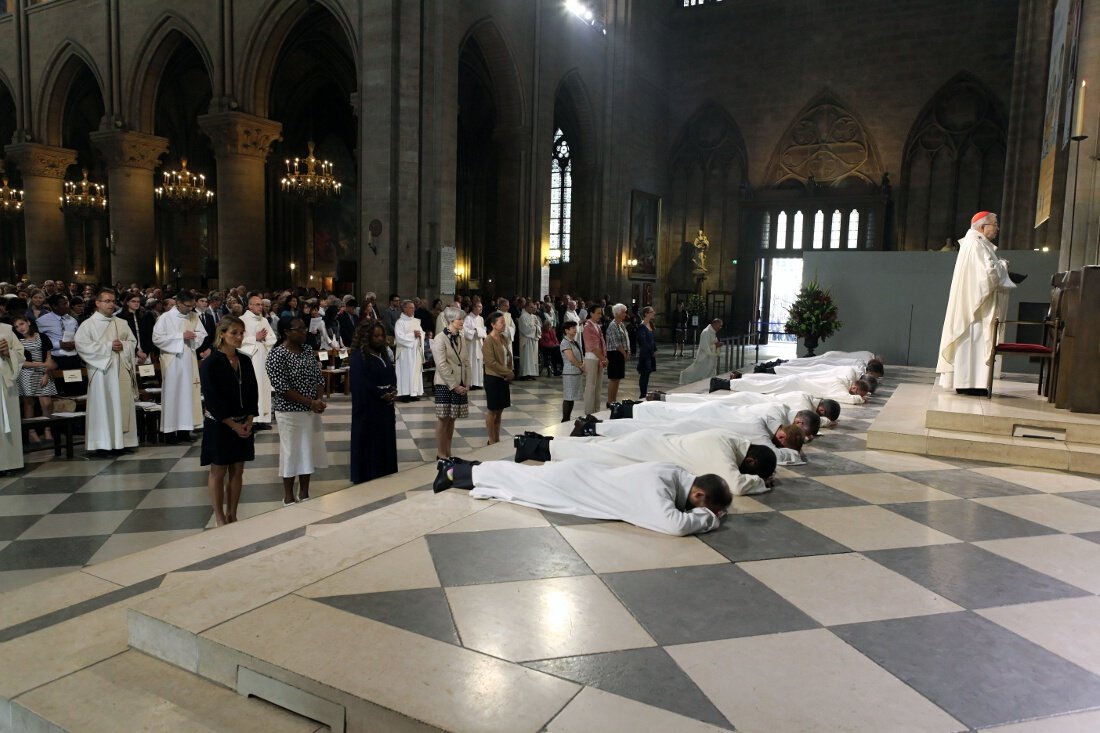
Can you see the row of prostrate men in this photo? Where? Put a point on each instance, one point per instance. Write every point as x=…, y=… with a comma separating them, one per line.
x=674, y=462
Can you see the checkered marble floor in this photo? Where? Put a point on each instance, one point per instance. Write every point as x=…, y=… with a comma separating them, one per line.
x=58, y=514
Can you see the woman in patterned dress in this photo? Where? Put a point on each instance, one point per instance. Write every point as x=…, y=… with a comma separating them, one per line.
x=34, y=379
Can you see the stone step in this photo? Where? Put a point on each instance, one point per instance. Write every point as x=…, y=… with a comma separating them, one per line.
x=134, y=692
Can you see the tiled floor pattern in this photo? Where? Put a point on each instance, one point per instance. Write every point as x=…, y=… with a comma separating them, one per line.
x=870, y=591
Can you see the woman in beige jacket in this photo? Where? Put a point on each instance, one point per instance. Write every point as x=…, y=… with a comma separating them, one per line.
x=452, y=380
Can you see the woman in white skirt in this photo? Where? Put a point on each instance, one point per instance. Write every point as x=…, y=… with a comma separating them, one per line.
x=296, y=387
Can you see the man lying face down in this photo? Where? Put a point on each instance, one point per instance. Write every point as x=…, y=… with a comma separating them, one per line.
x=659, y=496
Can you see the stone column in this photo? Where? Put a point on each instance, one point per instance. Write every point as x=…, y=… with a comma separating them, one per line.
x=241, y=145
x=43, y=168
x=131, y=158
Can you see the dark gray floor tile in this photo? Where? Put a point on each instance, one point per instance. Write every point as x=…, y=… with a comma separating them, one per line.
x=409, y=456
x=149, y=465
x=805, y=493
x=969, y=521
x=183, y=479
x=29, y=484
x=977, y=671
x=496, y=556
x=828, y=464
x=649, y=676
x=973, y=577
x=766, y=536
x=1092, y=498
x=1091, y=536
x=836, y=441
x=256, y=493
x=264, y=462
x=568, y=520
x=156, y=520
x=55, y=552
x=267, y=436
x=725, y=602
x=12, y=527
x=100, y=501
x=333, y=473
x=424, y=611
x=966, y=484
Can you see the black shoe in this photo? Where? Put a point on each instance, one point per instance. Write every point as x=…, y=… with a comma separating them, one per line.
x=442, y=481
x=98, y=454
x=583, y=428
x=187, y=435
x=592, y=418
x=531, y=447
x=260, y=426
x=171, y=439
x=973, y=392
x=1017, y=277
x=718, y=384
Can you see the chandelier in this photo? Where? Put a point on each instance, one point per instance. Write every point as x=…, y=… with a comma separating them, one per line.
x=314, y=182
x=184, y=190
x=83, y=197
x=11, y=199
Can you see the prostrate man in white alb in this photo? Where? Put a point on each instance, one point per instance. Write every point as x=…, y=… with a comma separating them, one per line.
x=658, y=496
x=831, y=359
x=409, y=358
x=530, y=329
x=12, y=357
x=979, y=294
x=749, y=420
x=705, y=365
x=106, y=345
x=826, y=409
x=822, y=384
x=259, y=340
x=178, y=334
x=747, y=468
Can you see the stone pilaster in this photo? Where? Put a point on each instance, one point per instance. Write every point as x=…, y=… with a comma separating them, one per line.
x=131, y=158
x=43, y=168
x=241, y=144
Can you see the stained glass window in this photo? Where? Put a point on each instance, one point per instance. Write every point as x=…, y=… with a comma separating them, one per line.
x=561, y=199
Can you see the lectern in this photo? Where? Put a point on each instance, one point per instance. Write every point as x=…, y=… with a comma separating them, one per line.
x=1075, y=300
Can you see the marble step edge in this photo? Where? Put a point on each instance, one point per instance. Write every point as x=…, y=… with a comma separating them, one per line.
x=1076, y=431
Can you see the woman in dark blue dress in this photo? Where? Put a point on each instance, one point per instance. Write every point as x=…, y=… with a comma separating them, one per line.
x=373, y=418
x=647, y=351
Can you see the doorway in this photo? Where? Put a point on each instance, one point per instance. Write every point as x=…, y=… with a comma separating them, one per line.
x=777, y=284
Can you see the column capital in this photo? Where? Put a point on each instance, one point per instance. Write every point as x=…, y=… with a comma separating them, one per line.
x=128, y=149
x=237, y=133
x=45, y=161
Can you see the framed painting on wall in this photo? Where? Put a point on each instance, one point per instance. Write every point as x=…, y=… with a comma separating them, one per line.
x=645, y=227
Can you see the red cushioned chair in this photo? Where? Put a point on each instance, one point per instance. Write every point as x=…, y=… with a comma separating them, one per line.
x=1046, y=352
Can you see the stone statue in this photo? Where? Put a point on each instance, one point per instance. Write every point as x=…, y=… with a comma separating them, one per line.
x=701, y=244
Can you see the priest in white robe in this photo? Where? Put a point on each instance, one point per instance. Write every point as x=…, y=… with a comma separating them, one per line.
x=473, y=331
x=409, y=358
x=659, y=496
x=857, y=360
x=707, y=451
x=530, y=329
x=178, y=334
x=11, y=434
x=705, y=365
x=259, y=340
x=106, y=345
x=794, y=401
x=823, y=385
x=979, y=293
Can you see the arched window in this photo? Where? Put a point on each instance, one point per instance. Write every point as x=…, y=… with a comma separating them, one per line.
x=796, y=231
x=561, y=198
x=819, y=229
x=781, y=230
x=834, y=237
x=766, y=231
x=853, y=229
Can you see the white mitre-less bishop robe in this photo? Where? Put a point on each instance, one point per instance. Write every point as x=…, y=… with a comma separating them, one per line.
x=706, y=358
x=979, y=293
x=11, y=435
x=530, y=328
x=409, y=356
x=180, y=406
x=112, y=386
x=257, y=350
x=648, y=495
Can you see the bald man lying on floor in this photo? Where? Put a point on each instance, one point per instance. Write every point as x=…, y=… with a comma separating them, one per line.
x=747, y=420
x=745, y=467
x=659, y=496
x=833, y=383
x=827, y=410
x=861, y=361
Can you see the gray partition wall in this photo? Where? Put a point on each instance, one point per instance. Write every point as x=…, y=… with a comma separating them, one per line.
x=893, y=303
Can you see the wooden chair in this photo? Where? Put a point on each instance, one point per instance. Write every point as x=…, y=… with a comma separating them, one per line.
x=1046, y=352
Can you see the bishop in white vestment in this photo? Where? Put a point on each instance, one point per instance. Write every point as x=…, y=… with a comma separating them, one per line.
x=107, y=347
x=178, y=334
x=706, y=356
x=530, y=328
x=259, y=340
x=979, y=293
x=409, y=340
x=11, y=435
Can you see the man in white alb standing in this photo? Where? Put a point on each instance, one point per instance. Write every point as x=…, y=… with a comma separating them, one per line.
x=106, y=345
x=530, y=328
x=409, y=340
x=11, y=362
x=259, y=339
x=178, y=334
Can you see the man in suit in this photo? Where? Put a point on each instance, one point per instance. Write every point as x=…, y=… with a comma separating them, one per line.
x=388, y=316
x=206, y=316
x=346, y=321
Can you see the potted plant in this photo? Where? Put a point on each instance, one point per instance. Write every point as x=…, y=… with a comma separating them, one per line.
x=812, y=316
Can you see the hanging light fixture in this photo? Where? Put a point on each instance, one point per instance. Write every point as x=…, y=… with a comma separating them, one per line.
x=184, y=190
x=84, y=198
x=11, y=199
x=310, y=178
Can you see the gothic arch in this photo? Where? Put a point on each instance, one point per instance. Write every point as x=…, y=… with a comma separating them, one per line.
x=953, y=163
x=63, y=67
x=507, y=90
x=261, y=57
x=573, y=94
x=163, y=39
x=826, y=142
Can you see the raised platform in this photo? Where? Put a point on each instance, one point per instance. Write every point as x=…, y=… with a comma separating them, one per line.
x=1016, y=426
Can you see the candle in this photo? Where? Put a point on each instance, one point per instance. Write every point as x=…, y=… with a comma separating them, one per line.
x=1079, y=120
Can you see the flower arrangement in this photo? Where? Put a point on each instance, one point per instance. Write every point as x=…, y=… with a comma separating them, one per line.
x=696, y=305
x=813, y=314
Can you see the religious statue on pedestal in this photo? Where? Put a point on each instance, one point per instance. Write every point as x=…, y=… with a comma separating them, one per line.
x=701, y=244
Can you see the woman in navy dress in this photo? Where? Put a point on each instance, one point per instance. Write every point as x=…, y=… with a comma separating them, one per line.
x=647, y=351
x=373, y=417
